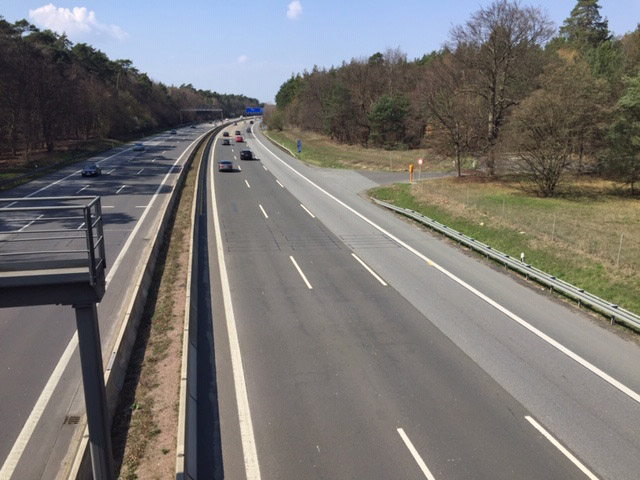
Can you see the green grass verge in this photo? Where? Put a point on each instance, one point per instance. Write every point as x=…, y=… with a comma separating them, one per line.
x=599, y=277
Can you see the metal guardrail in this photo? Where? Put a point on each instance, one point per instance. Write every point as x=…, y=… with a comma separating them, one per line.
x=611, y=310
x=67, y=233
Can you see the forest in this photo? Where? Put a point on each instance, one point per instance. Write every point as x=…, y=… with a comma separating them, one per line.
x=54, y=94
x=508, y=89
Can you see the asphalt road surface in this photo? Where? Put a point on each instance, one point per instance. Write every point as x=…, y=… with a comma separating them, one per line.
x=40, y=373
x=348, y=343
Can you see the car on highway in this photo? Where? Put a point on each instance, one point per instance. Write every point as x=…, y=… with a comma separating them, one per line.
x=225, y=141
x=239, y=139
x=173, y=132
x=91, y=170
x=138, y=147
x=248, y=129
x=251, y=122
x=225, y=166
x=225, y=134
x=238, y=132
x=192, y=126
x=246, y=155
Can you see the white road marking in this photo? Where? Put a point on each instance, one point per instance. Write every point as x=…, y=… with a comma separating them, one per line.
x=11, y=462
x=300, y=272
x=251, y=465
x=307, y=210
x=29, y=224
x=120, y=189
x=265, y=168
x=110, y=171
x=263, y=212
x=416, y=455
x=543, y=336
x=153, y=160
x=141, y=206
x=81, y=225
x=239, y=168
x=32, y=421
x=83, y=188
x=107, y=206
x=235, y=158
x=369, y=269
x=278, y=182
x=249, y=186
x=560, y=447
x=139, y=171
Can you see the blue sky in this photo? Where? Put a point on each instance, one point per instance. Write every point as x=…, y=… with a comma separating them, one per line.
x=252, y=46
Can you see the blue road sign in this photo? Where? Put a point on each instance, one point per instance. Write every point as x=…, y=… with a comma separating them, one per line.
x=253, y=111
x=299, y=146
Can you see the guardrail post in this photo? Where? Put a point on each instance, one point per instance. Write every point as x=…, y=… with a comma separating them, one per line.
x=95, y=398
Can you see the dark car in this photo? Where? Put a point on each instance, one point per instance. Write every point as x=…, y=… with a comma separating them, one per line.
x=248, y=129
x=193, y=126
x=246, y=155
x=251, y=122
x=138, y=147
x=225, y=141
x=91, y=170
x=239, y=139
x=225, y=166
x=225, y=134
x=238, y=132
x=173, y=132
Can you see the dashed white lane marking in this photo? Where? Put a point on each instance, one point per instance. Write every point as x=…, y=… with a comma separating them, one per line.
x=30, y=223
x=32, y=421
x=235, y=158
x=250, y=454
x=265, y=168
x=81, y=225
x=248, y=186
x=307, y=210
x=139, y=171
x=560, y=447
x=108, y=206
x=543, y=336
x=141, y=206
x=239, y=168
x=83, y=188
x=278, y=182
x=295, y=264
x=369, y=269
x=120, y=189
x=263, y=212
x=416, y=455
x=110, y=171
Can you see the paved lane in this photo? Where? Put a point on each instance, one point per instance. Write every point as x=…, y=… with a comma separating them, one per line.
x=33, y=340
x=345, y=377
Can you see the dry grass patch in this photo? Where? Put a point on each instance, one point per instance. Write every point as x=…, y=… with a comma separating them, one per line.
x=589, y=235
x=320, y=150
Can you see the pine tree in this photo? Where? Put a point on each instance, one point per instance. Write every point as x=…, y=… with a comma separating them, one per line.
x=585, y=27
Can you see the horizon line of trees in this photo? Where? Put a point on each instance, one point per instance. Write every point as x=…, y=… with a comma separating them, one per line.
x=507, y=88
x=53, y=92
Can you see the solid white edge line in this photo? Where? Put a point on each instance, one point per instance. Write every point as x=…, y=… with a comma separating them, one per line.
x=251, y=465
x=369, y=269
x=416, y=456
x=560, y=447
x=295, y=264
x=307, y=210
x=263, y=212
x=247, y=182
x=32, y=421
x=574, y=356
x=278, y=182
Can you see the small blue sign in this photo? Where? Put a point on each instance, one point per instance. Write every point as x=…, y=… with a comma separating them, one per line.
x=299, y=146
x=254, y=111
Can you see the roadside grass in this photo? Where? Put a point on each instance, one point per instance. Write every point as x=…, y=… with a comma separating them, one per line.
x=321, y=151
x=588, y=235
x=145, y=424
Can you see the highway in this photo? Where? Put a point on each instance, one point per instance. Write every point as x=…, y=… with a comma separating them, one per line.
x=40, y=375
x=349, y=343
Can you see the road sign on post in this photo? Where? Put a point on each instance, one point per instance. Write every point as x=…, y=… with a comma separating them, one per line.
x=299, y=146
x=254, y=111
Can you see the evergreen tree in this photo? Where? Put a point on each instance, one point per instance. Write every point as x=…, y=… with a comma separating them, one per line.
x=585, y=27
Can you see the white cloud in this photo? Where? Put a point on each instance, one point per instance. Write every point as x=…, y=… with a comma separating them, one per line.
x=242, y=59
x=295, y=10
x=79, y=20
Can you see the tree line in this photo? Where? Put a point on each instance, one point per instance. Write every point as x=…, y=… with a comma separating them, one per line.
x=507, y=89
x=53, y=93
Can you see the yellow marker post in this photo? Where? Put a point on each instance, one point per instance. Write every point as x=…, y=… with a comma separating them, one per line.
x=411, y=173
